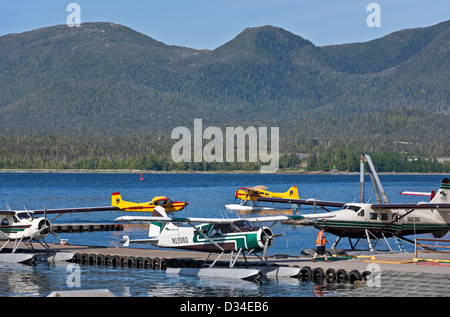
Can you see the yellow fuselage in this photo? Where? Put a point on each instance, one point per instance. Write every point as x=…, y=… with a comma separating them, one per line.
x=166, y=203
x=254, y=194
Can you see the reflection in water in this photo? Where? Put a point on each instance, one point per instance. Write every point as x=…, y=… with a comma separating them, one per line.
x=42, y=279
x=19, y=280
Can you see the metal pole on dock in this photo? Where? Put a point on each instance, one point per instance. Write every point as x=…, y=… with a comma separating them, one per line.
x=361, y=178
x=377, y=179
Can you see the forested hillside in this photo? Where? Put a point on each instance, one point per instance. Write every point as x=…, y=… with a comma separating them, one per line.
x=105, y=96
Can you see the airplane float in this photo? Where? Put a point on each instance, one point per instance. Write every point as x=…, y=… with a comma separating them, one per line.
x=165, y=202
x=375, y=221
x=251, y=194
x=215, y=235
x=27, y=226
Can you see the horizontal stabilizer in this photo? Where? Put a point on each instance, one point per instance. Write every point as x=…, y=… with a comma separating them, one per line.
x=126, y=241
x=415, y=193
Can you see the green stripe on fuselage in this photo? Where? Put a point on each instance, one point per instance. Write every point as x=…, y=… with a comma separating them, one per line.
x=444, y=186
x=12, y=230
x=359, y=224
x=246, y=241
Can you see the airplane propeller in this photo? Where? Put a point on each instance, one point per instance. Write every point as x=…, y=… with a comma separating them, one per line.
x=45, y=226
x=269, y=241
x=267, y=238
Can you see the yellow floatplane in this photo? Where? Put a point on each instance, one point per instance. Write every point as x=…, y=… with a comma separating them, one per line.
x=252, y=194
x=163, y=201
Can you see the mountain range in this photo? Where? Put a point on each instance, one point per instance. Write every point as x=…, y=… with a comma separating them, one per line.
x=105, y=80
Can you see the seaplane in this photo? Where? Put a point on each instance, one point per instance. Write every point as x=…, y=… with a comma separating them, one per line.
x=234, y=236
x=251, y=194
x=149, y=206
x=382, y=220
x=31, y=225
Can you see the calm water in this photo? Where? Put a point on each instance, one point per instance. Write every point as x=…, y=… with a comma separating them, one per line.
x=207, y=194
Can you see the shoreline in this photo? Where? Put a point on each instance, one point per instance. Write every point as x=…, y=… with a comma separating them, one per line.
x=133, y=171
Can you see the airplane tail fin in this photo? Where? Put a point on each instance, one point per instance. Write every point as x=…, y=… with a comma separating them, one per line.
x=116, y=199
x=442, y=194
x=155, y=228
x=292, y=193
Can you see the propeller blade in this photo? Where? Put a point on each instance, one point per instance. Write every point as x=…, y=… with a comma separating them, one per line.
x=266, y=246
x=54, y=233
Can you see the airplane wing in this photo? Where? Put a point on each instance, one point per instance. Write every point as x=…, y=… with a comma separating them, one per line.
x=160, y=198
x=257, y=187
x=176, y=219
x=302, y=201
x=66, y=210
x=143, y=219
x=222, y=220
x=313, y=216
x=7, y=212
x=250, y=191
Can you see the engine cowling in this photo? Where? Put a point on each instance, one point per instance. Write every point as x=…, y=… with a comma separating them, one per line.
x=43, y=227
x=265, y=234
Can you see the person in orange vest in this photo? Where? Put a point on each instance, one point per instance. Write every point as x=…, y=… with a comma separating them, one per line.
x=321, y=246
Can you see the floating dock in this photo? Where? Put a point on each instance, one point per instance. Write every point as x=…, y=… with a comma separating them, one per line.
x=394, y=267
x=80, y=227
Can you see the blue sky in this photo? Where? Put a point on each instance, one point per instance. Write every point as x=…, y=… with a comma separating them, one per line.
x=207, y=24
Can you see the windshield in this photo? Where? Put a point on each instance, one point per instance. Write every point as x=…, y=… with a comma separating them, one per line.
x=24, y=215
x=243, y=225
x=352, y=207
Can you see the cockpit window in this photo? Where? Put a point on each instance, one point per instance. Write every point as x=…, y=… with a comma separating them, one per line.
x=242, y=225
x=354, y=208
x=219, y=229
x=24, y=215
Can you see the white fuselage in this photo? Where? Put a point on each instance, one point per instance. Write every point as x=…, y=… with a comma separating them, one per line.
x=23, y=225
x=207, y=237
x=355, y=218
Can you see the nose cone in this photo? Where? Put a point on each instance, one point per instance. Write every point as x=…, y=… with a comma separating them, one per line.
x=44, y=227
